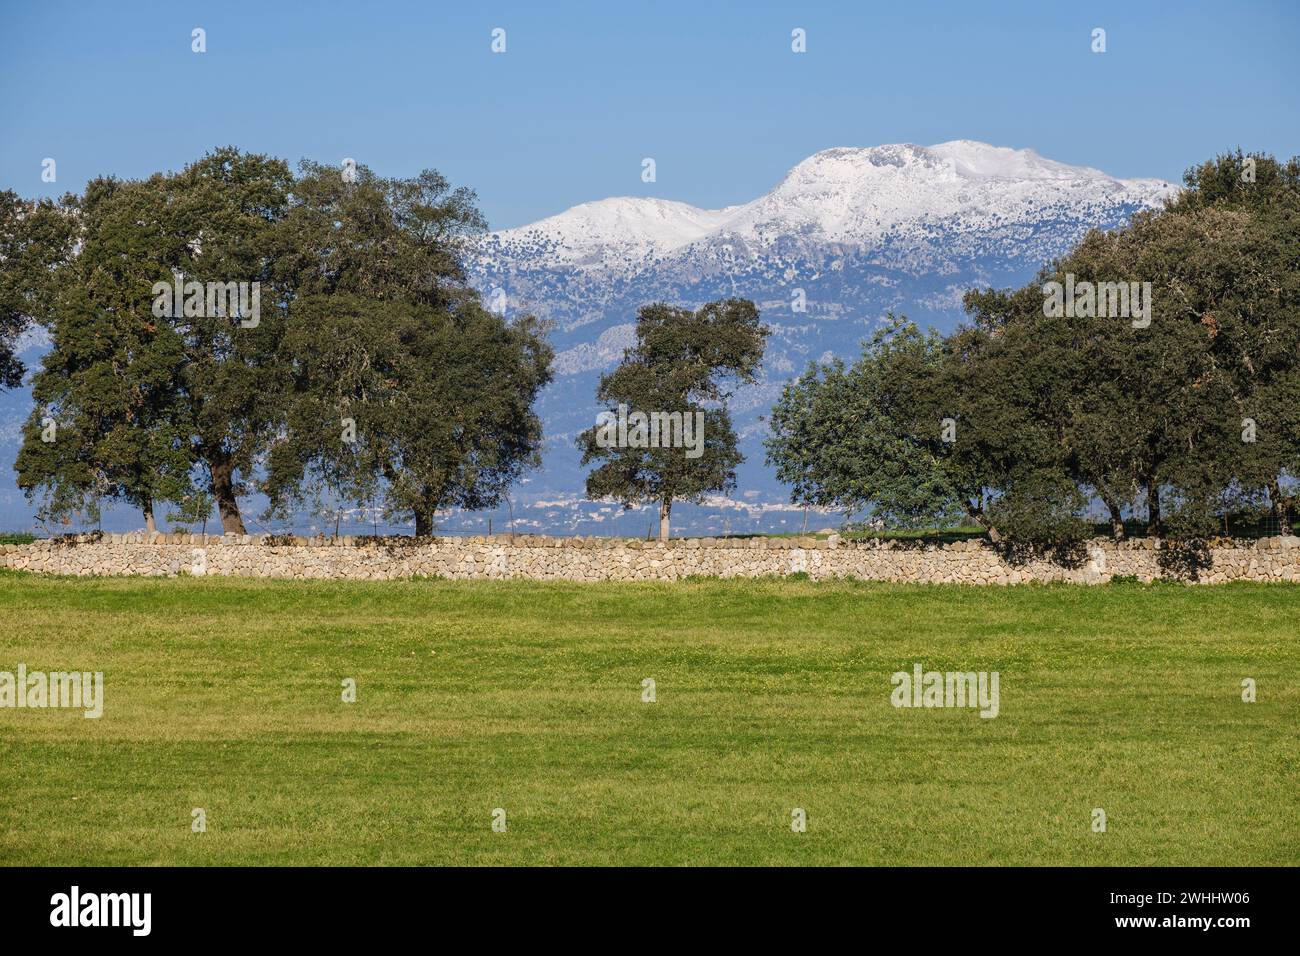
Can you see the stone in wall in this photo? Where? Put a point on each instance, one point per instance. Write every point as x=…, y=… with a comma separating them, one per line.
x=538, y=557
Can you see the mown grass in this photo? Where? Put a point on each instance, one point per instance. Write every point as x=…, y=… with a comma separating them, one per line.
x=224, y=694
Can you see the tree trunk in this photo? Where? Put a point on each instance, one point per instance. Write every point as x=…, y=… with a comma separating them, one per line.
x=976, y=514
x=1116, y=520
x=1153, y=508
x=223, y=489
x=665, y=510
x=423, y=524
x=149, y=524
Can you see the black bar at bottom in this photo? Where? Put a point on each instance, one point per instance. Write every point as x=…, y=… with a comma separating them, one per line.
x=942, y=905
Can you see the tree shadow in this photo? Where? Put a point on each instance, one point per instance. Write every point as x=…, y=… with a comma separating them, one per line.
x=1066, y=554
x=1184, y=560
x=73, y=539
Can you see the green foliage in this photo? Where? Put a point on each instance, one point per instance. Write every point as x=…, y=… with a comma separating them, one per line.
x=438, y=402
x=221, y=219
x=1156, y=415
x=363, y=313
x=1042, y=510
x=683, y=364
x=109, y=421
x=1052, y=407
x=194, y=508
x=403, y=388
x=141, y=392
x=63, y=509
x=374, y=376
x=34, y=236
x=850, y=437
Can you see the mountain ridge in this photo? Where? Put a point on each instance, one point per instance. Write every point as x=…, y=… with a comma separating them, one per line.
x=887, y=185
x=846, y=236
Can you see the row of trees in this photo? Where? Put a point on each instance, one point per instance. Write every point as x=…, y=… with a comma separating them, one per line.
x=371, y=373
x=1028, y=411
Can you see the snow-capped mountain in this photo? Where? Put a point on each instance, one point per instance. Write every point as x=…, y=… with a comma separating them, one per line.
x=852, y=197
x=848, y=235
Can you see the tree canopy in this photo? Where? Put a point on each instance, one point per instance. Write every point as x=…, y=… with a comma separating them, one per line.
x=1170, y=385
x=214, y=328
x=665, y=434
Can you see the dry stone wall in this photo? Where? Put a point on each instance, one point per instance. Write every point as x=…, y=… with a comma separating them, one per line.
x=608, y=559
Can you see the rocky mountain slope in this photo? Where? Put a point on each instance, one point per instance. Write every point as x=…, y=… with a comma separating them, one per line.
x=847, y=236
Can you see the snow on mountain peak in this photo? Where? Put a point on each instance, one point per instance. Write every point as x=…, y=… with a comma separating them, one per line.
x=857, y=196
x=965, y=158
x=626, y=225
x=975, y=160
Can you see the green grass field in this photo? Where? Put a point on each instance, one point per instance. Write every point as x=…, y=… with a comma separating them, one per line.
x=224, y=694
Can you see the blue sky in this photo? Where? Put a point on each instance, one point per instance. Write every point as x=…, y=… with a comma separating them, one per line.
x=584, y=91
